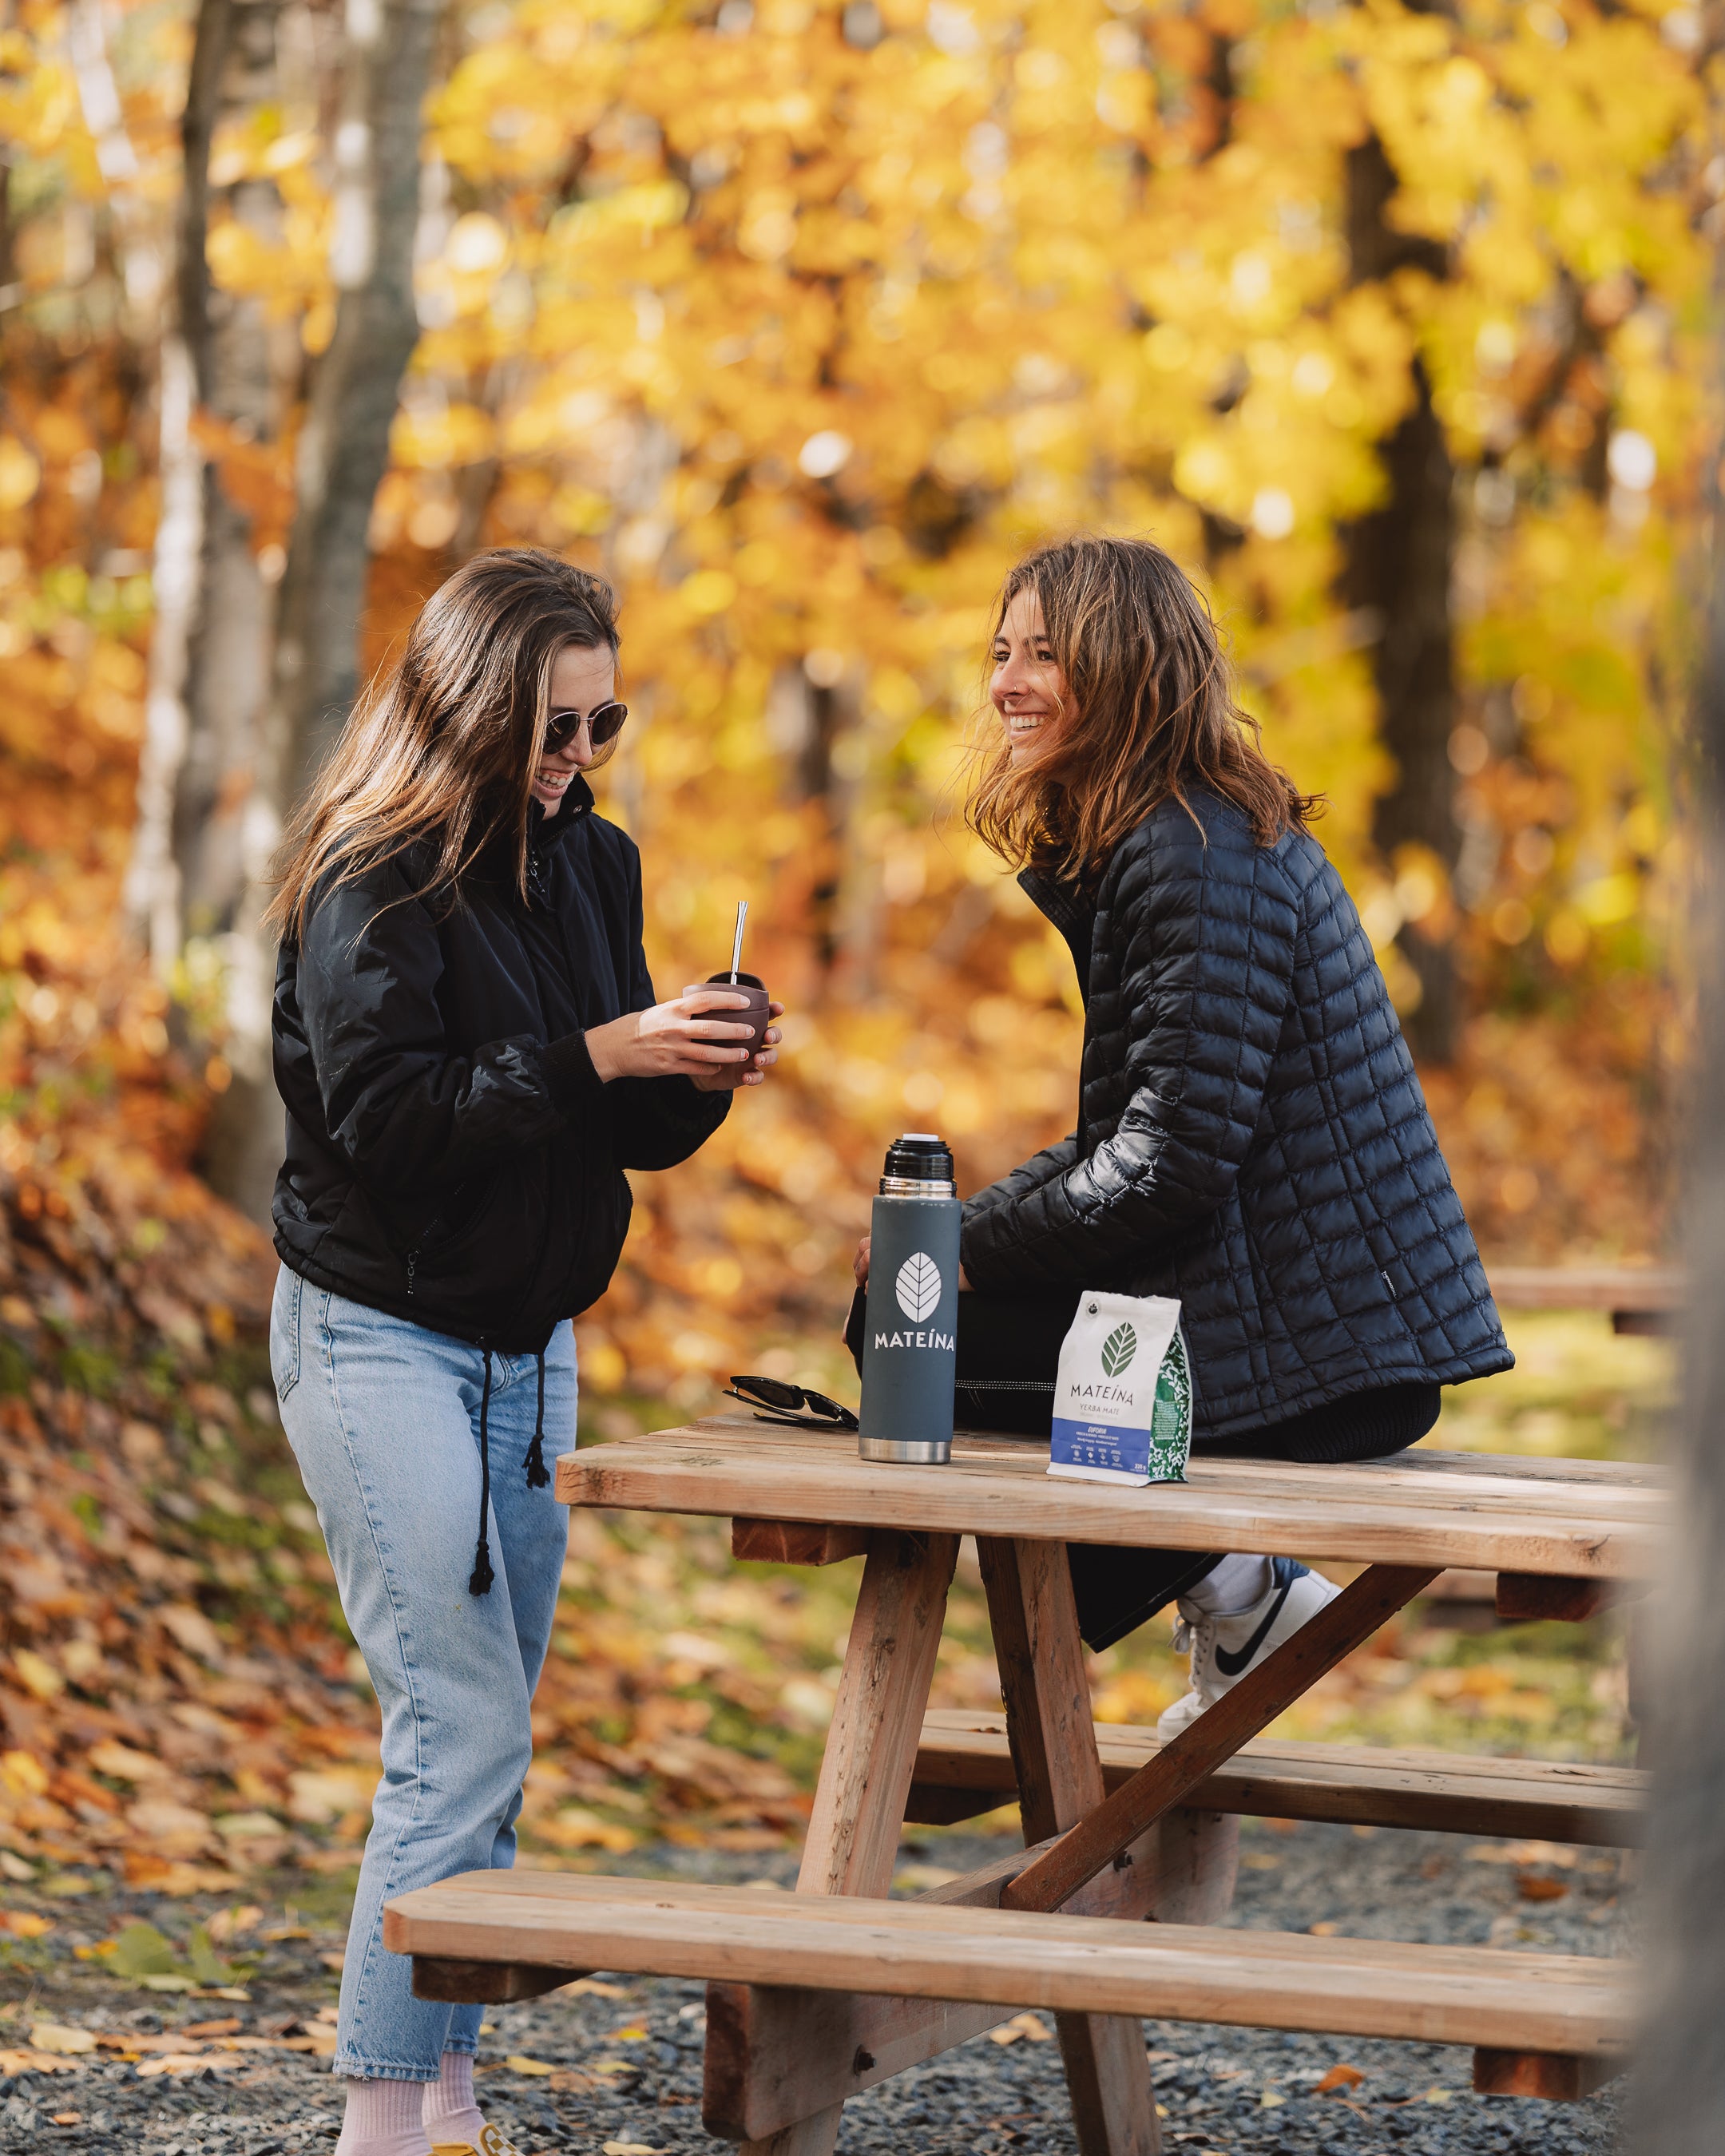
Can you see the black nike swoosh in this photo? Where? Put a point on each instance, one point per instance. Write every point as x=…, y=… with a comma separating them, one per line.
x=1234, y=1665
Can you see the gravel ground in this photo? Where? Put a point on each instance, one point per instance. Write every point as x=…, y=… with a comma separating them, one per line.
x=616, y=2067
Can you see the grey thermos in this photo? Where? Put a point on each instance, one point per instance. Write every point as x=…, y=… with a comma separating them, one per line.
x=910, y=1346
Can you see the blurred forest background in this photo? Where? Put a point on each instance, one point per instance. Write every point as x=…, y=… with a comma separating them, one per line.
x=799, y=321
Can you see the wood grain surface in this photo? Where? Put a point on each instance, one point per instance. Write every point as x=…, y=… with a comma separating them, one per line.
x=964, y=1752
x=1241, y=1713
x=1494, y=1515
x=1470, y=1995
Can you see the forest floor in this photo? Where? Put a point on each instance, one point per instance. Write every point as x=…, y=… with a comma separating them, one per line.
x=92, y=2061
x=190, y=1746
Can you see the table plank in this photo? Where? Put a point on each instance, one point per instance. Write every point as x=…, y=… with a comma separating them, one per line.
x=1641, y=1288
x=1442, y=1511
x=963, y=1750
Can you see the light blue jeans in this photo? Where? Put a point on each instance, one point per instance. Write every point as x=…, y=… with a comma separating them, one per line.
x=383, y=1418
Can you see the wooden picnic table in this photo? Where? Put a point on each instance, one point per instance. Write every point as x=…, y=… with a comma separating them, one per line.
x=1154, y=1835
x=1640, y=1298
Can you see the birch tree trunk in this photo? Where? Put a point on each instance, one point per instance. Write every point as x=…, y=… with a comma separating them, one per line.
x=344, y=448
x=343, y=452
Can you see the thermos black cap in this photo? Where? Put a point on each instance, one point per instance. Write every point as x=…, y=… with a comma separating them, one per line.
x=918, y=1157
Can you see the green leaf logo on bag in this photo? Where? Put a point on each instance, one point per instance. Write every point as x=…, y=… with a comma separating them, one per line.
x=1118, y=1350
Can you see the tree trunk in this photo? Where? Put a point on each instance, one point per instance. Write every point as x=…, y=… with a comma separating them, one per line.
x=231, y=344
x=1399, y=567
x=344, y=450
x=343, y=453
x=1679, y=2093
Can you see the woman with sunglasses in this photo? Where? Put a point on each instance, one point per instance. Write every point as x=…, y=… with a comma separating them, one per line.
x=471, y=1054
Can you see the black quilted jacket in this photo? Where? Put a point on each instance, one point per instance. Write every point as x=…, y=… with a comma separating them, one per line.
x=1252, y=1136
x=453, y=1157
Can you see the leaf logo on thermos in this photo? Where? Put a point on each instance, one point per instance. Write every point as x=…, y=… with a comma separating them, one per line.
x=1118, y=1350
x=918, y=1286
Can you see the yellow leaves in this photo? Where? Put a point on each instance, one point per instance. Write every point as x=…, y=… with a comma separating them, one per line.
x=577, y=1827
x=37, y=1675
x=443, y=435
x=768, y=230
x=20, y=473
x=708, y=592
x=22, y=1772
x=634, y=212
x=329, y=1793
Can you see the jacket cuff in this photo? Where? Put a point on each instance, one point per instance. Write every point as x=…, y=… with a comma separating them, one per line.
x=574, y=1084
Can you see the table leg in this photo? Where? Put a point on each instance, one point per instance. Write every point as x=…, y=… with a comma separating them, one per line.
x=1110, y=1828
x=1052, y=1731
x=870, y=1753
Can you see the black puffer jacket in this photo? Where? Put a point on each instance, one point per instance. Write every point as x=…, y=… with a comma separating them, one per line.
x=453, y=1157
x=1252, y=1136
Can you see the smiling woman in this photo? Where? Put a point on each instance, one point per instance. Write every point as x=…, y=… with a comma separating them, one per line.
x=1251, y=1140
x=471, y=1054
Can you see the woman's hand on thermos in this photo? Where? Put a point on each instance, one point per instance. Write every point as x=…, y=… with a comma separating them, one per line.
x=684, y=1039
x=860, y=1266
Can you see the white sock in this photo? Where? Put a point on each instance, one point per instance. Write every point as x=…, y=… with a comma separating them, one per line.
x=382, y=2119
x=1231, y=1586
x=450, y=2115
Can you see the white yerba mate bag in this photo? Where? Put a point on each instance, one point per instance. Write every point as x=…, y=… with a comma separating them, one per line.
x=1123, y=1404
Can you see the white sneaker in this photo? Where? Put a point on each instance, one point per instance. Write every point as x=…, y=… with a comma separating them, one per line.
x=1225, y=1648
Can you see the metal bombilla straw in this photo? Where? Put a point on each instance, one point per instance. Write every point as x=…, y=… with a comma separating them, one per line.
x=742, y=907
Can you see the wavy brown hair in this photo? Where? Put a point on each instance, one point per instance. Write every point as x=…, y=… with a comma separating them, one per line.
x=1152, y=714
x=442, y=746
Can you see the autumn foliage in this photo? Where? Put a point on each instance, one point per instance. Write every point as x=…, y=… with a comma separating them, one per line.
x=800, y=321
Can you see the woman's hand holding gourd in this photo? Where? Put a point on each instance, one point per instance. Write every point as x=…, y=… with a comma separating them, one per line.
x=687, y=1038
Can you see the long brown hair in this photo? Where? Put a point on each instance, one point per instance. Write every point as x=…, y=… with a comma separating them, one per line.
x=442, y=746
x=1152, y=714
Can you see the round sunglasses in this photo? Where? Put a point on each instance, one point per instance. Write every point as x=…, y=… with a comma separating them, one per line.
x=604, y=722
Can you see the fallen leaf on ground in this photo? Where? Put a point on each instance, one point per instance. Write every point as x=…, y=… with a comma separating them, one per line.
x=1531, y=1886
x=140, y=1950
x=577, y=1828
x=37, y=2062
x=60, y=2037
x=1021, y=2024
x=518, y=2063
x=1325, y=1930
x=177, y=2065
x=1339, y=2077
x=631, y=2149
x=25, y=1924
x=589, y=1987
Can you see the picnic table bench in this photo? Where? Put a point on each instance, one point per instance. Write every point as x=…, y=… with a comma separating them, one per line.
x=816, y=1996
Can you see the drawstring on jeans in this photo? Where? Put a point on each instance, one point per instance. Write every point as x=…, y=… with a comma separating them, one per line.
x=483, y=1575
x=536, y=1476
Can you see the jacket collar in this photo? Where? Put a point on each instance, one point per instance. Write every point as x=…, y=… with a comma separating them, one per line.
x=546, y=831
x=1061, y=903
x=1071, y=912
